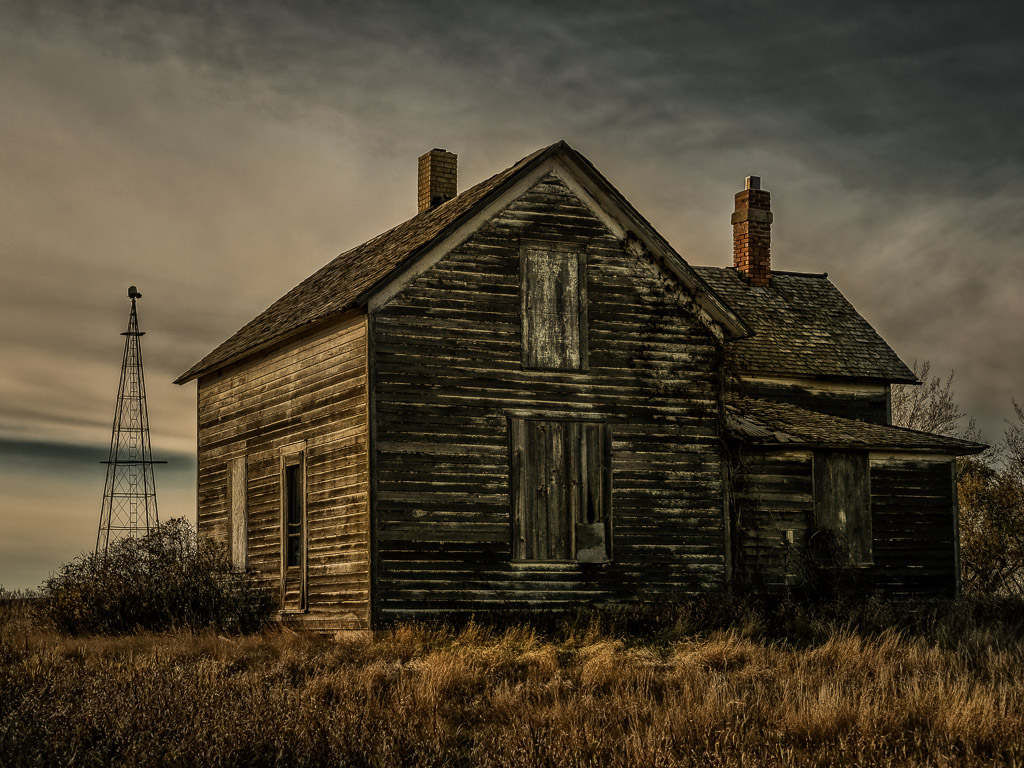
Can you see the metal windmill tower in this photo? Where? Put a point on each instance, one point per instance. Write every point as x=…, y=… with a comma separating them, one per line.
x=129, y=495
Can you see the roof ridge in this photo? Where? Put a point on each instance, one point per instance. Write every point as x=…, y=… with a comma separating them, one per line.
x=787, y=272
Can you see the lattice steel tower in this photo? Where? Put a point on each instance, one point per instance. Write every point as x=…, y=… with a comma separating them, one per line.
x=129, y=495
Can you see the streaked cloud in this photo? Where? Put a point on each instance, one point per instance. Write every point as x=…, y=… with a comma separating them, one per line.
x=51, y=503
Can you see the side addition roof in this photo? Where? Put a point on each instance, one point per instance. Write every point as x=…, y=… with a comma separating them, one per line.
x=803, y=326
x=779, y=425
x=349, y=279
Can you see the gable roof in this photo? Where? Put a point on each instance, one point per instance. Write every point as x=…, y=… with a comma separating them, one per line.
x=780, y=425
x=803, y=326
x=349, y=279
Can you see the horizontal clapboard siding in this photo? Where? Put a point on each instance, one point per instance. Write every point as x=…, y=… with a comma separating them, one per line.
x=774, y=492
x=448, y=374
x=913, y=513
x=313, y=392
x=912, y=521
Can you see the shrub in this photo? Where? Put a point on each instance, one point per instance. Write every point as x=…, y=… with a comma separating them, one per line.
x=163, y=580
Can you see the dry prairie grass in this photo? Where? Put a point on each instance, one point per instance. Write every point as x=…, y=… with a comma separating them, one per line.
x=882, y=685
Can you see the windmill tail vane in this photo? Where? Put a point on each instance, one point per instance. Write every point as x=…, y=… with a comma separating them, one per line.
x=129, y=493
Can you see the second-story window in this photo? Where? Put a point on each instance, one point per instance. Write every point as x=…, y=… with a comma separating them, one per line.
x=553, y=298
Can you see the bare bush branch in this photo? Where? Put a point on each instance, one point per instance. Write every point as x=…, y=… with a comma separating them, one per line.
x=930, y=406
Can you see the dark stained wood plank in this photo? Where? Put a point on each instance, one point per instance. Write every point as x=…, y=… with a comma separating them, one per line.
x=842, y=501
x=854, y=401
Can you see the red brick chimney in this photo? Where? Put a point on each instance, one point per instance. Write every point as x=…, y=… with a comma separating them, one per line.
x=752, y=234
x=437, y=178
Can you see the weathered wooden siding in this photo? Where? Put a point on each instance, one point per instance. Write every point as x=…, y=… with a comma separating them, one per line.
x=774, y=495
x=448, y=375
x=867, y=402
x=912, y=522
x=913, y=513
x=312, y=395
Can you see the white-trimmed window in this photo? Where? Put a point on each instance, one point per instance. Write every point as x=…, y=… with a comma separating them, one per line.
x=293, y=529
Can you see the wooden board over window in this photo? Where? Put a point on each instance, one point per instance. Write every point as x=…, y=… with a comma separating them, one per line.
x=553, y=298
x=842, y=500
x=561, y=490
x=238, y=531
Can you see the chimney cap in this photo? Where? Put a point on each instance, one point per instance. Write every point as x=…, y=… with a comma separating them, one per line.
x=753, y=182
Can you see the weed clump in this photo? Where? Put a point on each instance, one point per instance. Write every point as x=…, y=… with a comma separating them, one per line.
x=163, y=580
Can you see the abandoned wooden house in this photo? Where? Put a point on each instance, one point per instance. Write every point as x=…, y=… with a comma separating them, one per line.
x=524, y=397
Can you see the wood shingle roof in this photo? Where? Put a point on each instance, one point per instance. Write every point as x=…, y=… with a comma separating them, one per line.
x=781, y=425
x=803, y=326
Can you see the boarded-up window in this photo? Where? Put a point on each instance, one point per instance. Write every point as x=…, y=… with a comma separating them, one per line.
x=238, y=528
x=561, y=490
x=293, y=531
x=842, y=501
x=553, y=297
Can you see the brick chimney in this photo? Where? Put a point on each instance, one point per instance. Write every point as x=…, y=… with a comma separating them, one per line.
x=437, y=178
x=752, y=234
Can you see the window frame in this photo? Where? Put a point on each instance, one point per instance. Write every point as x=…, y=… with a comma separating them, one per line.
x=856, y=537
x=585, y=464
x=293, y=465
x=293, y=518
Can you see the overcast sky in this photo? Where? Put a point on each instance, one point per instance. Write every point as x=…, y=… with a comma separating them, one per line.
x=215, y=154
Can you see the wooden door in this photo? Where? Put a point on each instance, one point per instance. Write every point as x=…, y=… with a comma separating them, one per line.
x=544, y=487
x=842, y=500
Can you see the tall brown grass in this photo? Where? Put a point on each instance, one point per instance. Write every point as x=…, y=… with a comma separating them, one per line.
x=875, y=684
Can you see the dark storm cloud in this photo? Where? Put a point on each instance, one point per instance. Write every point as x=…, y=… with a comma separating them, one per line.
x=883, y=104
x=927, y=93
x=51, y=500
x=70, y=458
x=63, y=457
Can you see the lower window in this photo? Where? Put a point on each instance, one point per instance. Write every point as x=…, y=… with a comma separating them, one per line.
x=293, y=531
x=293, y=527
x=561, y=490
